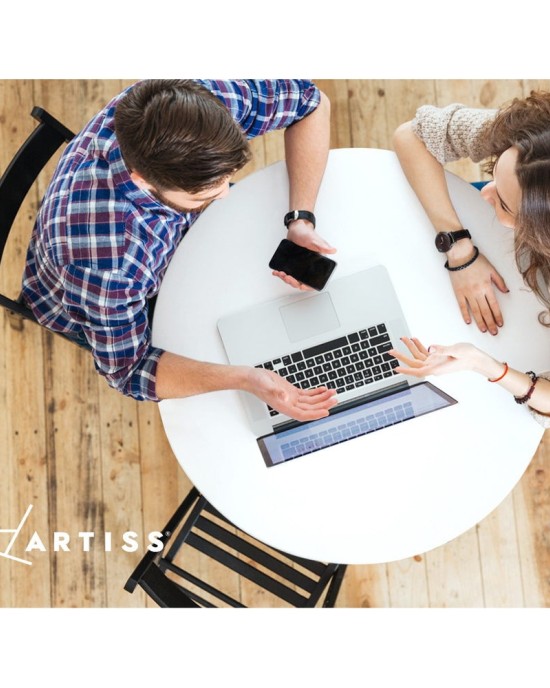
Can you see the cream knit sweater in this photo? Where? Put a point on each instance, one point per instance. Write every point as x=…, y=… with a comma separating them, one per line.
x=454, y=131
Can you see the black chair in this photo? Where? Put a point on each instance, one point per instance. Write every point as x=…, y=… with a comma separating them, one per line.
x=171, y=577
x=16, y=182
x=18, y=178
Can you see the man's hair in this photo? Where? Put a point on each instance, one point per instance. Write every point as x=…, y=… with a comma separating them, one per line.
x=178, y=136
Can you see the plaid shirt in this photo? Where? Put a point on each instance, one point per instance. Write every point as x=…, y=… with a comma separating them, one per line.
x=101, y=245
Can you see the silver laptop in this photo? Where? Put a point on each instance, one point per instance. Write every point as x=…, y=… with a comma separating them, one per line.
x=339, y=338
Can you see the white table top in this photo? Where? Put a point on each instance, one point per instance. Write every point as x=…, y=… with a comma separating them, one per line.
x=390, y=494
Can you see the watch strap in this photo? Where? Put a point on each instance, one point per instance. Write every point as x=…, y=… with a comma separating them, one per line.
x=460, y=234
x=445, y=240
x=299, y=215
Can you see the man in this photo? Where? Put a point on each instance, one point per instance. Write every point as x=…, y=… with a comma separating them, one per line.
x=124, y=194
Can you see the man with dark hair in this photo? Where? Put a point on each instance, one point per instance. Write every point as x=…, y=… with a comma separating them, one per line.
x=124, y=194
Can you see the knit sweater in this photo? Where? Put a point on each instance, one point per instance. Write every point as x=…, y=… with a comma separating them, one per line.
x=454, y=131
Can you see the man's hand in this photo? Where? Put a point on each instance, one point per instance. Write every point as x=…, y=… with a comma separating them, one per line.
x=475, y=294
x=302, y=233
x=301, y=404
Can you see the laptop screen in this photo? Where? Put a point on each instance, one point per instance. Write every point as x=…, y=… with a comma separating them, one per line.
x=348, y=423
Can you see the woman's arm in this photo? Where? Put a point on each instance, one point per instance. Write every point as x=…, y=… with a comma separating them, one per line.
x=473, y=286
x=438, y=360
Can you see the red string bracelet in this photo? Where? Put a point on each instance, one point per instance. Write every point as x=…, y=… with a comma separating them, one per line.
x=497, y=379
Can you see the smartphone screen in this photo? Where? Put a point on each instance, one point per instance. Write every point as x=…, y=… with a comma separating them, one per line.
x=308, y=267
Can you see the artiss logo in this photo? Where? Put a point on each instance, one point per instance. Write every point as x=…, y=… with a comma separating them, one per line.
x=61, y=541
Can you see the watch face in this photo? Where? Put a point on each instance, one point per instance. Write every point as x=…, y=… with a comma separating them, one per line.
x=443, y=242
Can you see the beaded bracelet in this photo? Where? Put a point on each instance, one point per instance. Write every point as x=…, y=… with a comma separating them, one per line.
x=534, y=380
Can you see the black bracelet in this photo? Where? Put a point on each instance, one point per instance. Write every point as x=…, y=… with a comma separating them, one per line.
x=461, y=267
x=534, y=380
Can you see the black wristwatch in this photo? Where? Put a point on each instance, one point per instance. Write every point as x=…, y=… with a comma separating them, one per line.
x=444, y=240
x=299, y=215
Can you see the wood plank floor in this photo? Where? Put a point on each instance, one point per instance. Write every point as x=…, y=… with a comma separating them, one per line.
x=90, y=460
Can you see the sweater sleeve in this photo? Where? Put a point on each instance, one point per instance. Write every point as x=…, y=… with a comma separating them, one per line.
x=454, y=131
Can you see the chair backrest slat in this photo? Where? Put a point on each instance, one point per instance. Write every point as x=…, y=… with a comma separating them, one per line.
x=25, y=167
x=163, y=591
x=247, y=549
x=241, y=567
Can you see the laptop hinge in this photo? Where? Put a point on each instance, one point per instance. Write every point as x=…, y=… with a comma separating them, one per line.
x=345, y=405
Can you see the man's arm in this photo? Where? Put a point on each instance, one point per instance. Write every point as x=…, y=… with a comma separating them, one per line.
x=306, y=151
x=307, y=145
x=114, y=319
x=178, y=376
x=473, y=286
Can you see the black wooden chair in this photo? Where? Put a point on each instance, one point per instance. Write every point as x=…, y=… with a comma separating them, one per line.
x=172, y=577
x=19, y=177
x=17, y=181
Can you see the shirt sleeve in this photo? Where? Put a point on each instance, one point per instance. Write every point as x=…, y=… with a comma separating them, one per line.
x=260, y=106
x=454, y=131
x=112, y=310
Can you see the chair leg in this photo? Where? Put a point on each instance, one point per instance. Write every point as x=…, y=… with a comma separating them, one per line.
x=334, y=588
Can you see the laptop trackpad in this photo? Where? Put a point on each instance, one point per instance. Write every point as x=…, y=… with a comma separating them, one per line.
x=309, y=317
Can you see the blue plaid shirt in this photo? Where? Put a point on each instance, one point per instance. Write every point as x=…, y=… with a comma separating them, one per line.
x=101, y=245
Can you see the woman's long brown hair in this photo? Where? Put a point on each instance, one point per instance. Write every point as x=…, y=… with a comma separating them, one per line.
x=525, y=124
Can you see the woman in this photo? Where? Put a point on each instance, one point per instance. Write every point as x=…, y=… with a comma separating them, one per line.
x=516, y=142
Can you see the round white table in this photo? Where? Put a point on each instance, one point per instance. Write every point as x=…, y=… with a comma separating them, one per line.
x=390, y=494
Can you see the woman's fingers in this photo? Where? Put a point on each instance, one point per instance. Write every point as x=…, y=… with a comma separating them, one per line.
x=417, y=349
x=414, y=372
x=420, y=346
x=410, y=362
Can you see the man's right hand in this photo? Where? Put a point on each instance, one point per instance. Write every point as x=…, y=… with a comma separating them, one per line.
x=300, y=404
x=475, y=293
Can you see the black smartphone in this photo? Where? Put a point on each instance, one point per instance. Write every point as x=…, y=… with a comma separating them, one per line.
x=308, y=267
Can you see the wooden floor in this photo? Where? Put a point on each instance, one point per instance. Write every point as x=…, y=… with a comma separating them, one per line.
x=90, y=460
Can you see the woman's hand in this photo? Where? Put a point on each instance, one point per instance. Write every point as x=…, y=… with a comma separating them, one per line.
x=437, y=360
x=474, y=288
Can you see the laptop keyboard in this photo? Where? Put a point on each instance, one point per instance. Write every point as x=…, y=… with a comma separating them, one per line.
x=347, y=430
x=352, y=361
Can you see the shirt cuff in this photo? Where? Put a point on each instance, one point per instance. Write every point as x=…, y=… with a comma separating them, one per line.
x=141, y=383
